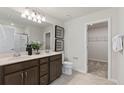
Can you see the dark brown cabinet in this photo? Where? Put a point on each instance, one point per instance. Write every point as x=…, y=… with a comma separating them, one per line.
x=44, y=71
x=44, y=80
x=52, y=71
x=27, y=77
x=23, y=73
x=55, y=67
x=31, y=76
x=59, y=67
x=14, y=79
x=33, y=72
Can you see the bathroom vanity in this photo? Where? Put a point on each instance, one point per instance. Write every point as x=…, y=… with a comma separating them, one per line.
x=16, y=34
x=31, y=70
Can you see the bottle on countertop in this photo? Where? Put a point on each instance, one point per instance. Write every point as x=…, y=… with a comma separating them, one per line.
x=29, y=49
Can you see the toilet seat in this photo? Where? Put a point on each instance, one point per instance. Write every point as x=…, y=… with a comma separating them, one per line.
x=67, y=63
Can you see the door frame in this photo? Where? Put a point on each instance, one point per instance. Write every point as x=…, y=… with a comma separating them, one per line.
x=109, y=45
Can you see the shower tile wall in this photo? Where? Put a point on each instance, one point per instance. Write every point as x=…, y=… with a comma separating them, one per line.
x=98, y=68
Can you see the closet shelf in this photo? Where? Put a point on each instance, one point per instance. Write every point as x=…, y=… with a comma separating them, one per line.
x=97, y=40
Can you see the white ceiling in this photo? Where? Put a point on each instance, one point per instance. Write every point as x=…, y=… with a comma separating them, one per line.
x=61, y=13
x=11, y=16
x=67, y=13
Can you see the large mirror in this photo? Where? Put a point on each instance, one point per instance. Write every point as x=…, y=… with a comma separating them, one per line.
x=16, y=32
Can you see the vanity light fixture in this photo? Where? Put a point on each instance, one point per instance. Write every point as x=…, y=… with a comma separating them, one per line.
x=38, y=17
x=34, y=19
x=43, y=19
x=39, y=21
x=33, y=15
x=29, y=18
x=25, y=13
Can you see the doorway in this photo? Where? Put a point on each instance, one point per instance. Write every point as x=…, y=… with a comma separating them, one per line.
x=47, y=41
x=98, y=48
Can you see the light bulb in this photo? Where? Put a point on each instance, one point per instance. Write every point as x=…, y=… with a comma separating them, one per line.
x=38, y=17
x=39, y=21
x=26, y=12
x=33, y=15
x=43, y=19
x=23, y=15
x=34, y=19
x=29, y=17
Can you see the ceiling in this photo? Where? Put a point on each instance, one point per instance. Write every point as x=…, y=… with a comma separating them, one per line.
x=68, y=13
x=61, y=13
x=11, y=16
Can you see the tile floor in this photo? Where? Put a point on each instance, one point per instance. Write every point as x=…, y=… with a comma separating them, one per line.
x=98, y=68
x=78, y=78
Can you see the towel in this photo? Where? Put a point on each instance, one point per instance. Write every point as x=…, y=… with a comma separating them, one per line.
x=117, y=43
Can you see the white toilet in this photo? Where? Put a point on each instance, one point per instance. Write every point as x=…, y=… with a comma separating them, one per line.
x=67, y=68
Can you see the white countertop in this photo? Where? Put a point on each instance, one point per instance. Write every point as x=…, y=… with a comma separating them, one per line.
x=11, y=59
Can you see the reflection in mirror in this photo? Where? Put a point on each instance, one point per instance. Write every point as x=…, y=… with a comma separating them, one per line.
x=15, y=32
x=47, y=42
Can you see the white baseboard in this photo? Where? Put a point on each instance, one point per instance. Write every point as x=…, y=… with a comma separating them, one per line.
x=97, y=60
x=79, y=70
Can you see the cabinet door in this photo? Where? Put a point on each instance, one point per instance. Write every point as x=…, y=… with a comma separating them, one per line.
x=31, y=76
x=58, y=68
x=52, y=71
x=43, y=69
x=44, y=80
x=14, y=79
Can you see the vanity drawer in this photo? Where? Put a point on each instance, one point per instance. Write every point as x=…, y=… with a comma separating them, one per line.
x=13, y=68
x=44, y=60
x=19, y=66
x=30, y=63
x=44, y=80
x=43, y=69
x=55, y=57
